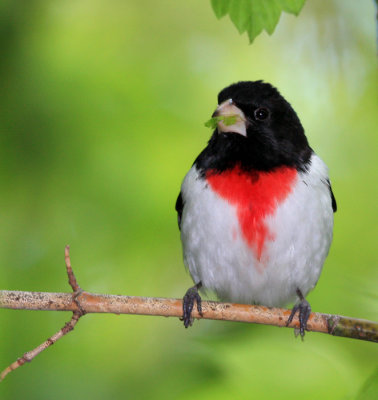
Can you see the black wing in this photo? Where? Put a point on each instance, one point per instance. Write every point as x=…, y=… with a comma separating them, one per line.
x=179, y=207
x=334, y=205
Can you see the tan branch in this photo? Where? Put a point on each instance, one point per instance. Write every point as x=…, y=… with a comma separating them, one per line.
x=28, y=356
x=81, y=302
x=115, y=304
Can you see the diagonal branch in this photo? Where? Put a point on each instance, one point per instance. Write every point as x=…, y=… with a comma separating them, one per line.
x=81, y=303
x=28, y=356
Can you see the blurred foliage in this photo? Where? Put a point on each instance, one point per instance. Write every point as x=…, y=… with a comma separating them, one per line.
x=370, y=389
x=254, y=16
x=101, y=114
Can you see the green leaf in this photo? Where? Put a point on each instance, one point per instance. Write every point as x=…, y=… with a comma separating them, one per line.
x=254, y=16
x=220, y=7
x=238, y=15
x=226, y=119
x=292, y=6
x=269, y=14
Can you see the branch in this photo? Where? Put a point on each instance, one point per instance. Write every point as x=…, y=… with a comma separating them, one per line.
x=335, y=325
x=28, y=356
x=81, y=303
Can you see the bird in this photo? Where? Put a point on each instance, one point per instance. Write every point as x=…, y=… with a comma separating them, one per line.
x=256, y=209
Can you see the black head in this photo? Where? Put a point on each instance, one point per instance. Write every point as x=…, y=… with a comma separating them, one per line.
x=271, y=134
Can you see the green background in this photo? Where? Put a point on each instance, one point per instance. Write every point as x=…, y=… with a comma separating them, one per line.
x=102, y=112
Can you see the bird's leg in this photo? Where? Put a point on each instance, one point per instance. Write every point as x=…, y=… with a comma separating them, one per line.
x=190, y=297
x=304, y=308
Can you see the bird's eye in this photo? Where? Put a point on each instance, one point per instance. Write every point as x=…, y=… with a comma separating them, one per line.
x=261, y=113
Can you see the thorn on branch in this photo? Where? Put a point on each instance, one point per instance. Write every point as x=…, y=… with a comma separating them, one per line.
x=72, y=280
x=71, y=276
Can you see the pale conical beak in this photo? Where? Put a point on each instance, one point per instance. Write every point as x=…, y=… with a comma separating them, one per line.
x=228, y=109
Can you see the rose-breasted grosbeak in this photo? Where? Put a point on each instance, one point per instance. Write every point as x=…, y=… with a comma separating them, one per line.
x=256, y=209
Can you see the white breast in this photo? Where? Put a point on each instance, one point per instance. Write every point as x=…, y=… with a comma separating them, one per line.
x=217, y=254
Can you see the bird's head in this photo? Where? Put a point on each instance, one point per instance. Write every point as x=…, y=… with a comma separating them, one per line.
x=265, y=130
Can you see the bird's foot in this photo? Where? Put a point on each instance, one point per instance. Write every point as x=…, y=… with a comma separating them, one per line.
x=190, y=297
x=304, y=308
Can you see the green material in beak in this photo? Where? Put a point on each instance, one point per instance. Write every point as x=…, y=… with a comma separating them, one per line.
x=226, y=119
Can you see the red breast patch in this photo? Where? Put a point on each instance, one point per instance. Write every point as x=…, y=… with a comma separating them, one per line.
x=255, y=196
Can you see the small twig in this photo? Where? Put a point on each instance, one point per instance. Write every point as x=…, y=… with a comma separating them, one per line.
x=81, y=302
x=71, y=276
x=28, y=356
x=72, y=280
x=68, y=327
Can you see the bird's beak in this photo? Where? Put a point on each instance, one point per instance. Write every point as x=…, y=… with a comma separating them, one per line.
x=229, y=109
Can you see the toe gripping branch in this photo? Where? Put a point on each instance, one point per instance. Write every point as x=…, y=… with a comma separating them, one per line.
x=304, y=308
x=190, y=297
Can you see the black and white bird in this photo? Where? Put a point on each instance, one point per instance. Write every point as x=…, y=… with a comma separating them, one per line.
x=255, y=211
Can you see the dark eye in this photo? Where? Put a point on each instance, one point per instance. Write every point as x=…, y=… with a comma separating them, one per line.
x=261, y=113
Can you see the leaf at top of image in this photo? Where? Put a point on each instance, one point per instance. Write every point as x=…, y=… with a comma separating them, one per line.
x=254, y=16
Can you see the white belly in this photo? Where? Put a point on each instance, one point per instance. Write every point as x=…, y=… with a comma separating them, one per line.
x=217, y=254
